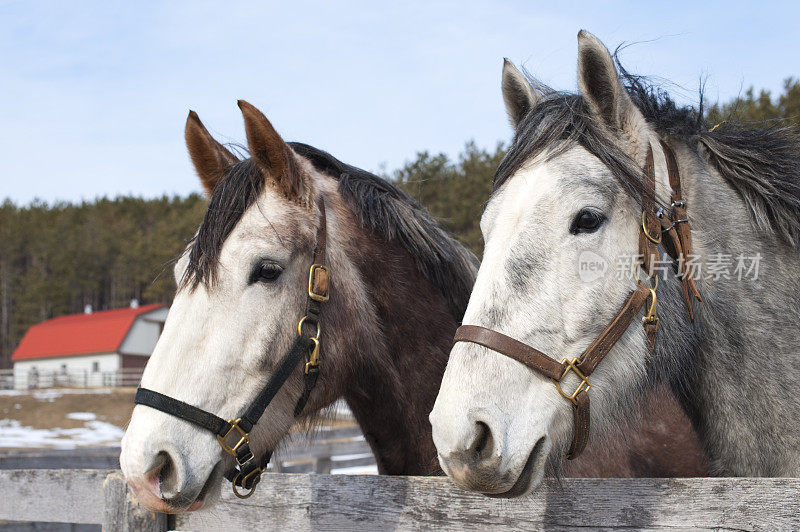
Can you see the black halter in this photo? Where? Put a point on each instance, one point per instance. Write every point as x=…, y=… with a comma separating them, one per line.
x=234, y=435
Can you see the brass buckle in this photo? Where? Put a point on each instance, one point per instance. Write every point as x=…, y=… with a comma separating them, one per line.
x=244, y=437
x=313, y=355
x=652, y=316
x=242, y=495
x=644, y=229
x=572, y=365
x=311, y=276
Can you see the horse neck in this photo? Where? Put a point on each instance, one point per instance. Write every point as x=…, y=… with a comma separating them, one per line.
x=393, y=336
x=732, y=367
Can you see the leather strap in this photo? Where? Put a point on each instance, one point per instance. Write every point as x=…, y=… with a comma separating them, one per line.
x=185, y=411
x=290, y=361
x=602, y=344
x=580, y=433
x=679, y=231
x=533, y=358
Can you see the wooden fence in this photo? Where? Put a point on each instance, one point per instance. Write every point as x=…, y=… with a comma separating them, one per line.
x=326, y=502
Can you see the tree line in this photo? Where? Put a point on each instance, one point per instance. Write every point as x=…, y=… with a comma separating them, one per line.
x=57, y=258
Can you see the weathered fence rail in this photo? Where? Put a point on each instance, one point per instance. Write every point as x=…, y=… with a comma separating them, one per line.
x=324, y=502
x=56, y=495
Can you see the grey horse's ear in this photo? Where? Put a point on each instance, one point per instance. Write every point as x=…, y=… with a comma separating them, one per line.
x=273, y=156
x=518, y=94
x=210, y=158
x=599, y=82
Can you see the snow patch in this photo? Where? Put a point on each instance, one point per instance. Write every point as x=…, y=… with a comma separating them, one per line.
x=82, y=416
x=50, y=394
x=14, y=435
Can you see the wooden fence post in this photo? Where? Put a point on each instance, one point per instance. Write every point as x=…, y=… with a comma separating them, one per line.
x=122, y=512
x=322, y=465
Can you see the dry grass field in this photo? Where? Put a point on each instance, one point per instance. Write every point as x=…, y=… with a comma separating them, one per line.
x=49, y=408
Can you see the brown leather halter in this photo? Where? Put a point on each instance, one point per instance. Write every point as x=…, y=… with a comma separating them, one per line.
x=654, y=226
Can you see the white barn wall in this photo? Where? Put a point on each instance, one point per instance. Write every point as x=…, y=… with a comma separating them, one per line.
x=76, y=366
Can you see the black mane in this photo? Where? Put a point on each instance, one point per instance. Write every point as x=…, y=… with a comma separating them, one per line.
x=229, y=201
x=385, y=210
x=760, y=161
x=392, y=214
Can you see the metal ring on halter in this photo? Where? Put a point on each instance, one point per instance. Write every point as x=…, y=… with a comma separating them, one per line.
x=644, y=230
x=300, y=327
x=238, y=478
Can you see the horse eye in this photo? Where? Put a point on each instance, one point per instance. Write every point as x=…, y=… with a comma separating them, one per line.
x=587, y=221
x=266, y=272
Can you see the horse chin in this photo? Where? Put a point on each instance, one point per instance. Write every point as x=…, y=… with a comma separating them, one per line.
x=209, y=493
x=504, y=481
x=532, y=472
x=150, y=495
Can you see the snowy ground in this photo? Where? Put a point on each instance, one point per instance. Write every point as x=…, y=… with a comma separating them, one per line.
x=51, y=394
x=93, y=433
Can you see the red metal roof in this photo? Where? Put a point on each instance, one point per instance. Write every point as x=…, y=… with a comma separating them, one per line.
x=79, y=334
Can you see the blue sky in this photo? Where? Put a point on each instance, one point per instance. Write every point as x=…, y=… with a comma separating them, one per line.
x=94, y=95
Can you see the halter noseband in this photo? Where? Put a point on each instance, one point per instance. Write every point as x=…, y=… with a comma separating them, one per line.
x=234, y=435
x=654, y=225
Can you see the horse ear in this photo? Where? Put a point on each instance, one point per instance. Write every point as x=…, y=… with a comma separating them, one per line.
x=273, y=156
x=599, y=83
x=518, y=94
x=210, y=158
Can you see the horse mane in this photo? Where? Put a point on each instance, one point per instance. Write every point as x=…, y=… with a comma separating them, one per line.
x=760, y=160
x=231, y=198
x=394, y=215
x=385, y=210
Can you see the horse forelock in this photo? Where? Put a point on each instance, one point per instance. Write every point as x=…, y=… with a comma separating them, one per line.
x=235, y=194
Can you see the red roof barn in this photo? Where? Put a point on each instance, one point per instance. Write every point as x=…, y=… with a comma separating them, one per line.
x=90, y=343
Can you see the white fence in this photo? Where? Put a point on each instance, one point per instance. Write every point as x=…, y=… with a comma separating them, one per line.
x=19, y=380
x=325, y=502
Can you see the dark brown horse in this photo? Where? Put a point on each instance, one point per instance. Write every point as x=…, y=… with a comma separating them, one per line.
x=399, y=289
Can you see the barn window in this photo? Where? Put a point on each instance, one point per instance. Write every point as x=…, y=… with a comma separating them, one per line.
x=95, y=367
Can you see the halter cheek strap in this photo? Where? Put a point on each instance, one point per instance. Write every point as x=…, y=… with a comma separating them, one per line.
x=652, y=228
x=234, y=435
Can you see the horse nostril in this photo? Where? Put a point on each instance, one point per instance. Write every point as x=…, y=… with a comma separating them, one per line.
x=483, y=446
x=163, y=473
